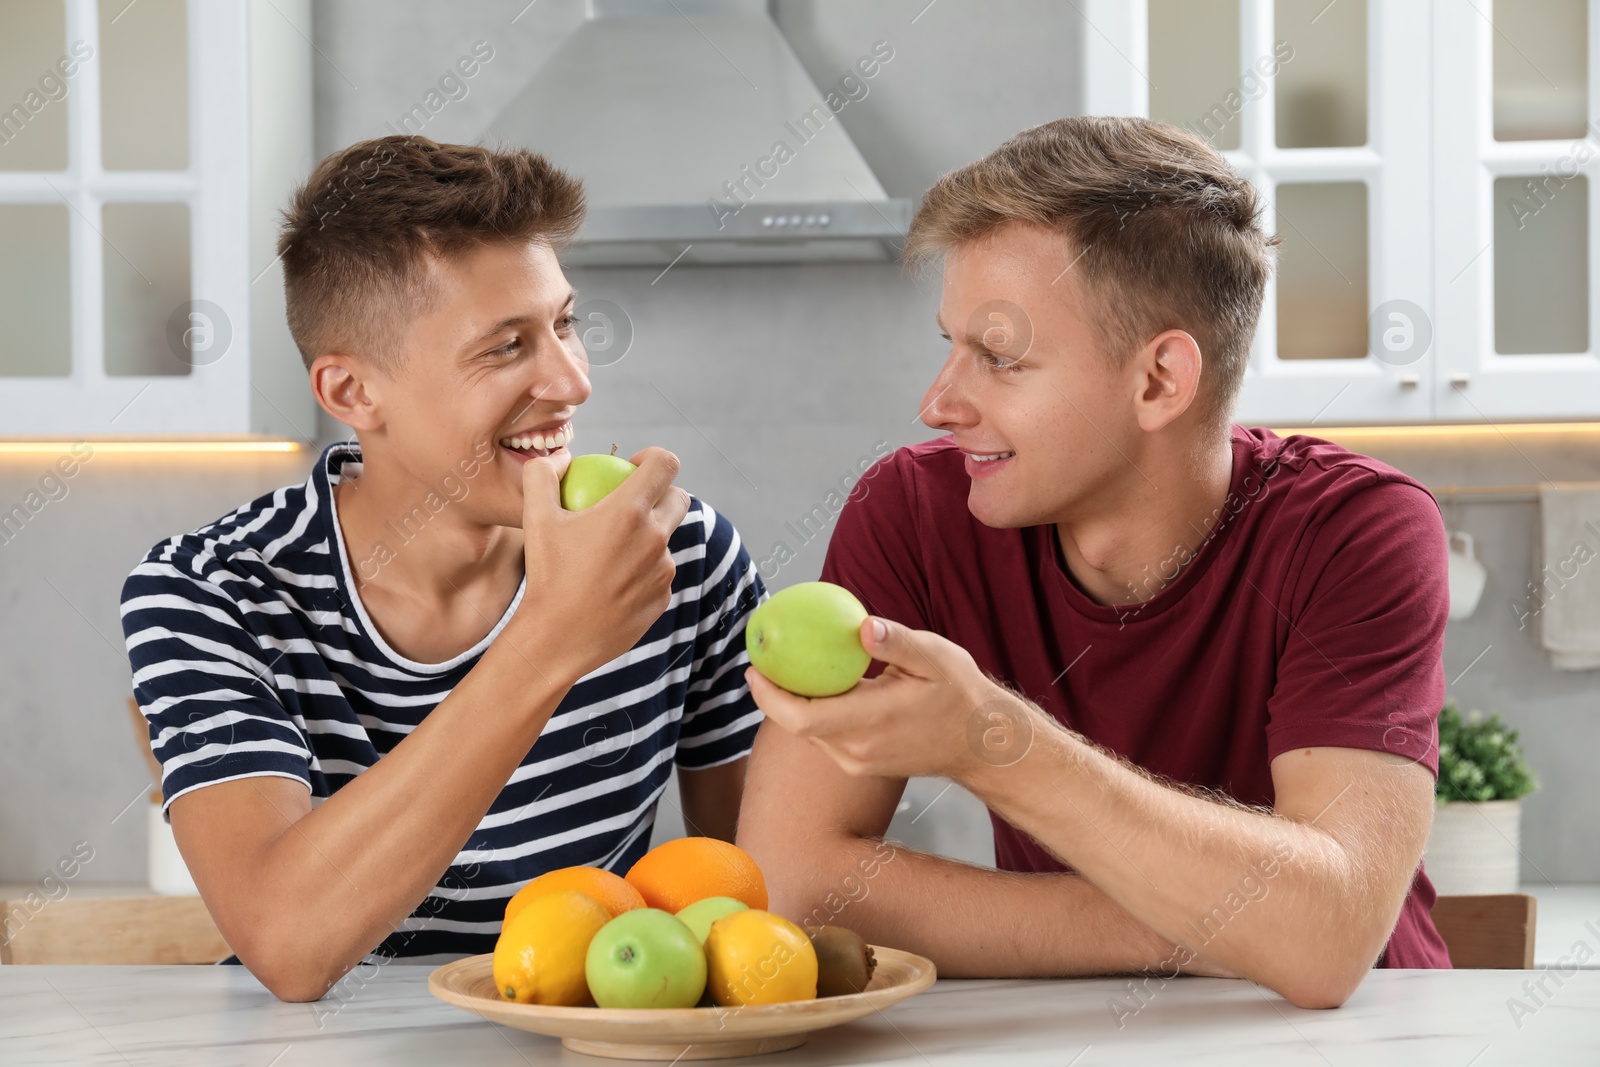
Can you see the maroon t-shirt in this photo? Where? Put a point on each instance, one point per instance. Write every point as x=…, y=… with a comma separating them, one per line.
x=1313, y=615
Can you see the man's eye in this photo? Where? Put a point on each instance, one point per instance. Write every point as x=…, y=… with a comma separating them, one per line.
x=568, y=322
x=511, y=348
x=998, y=362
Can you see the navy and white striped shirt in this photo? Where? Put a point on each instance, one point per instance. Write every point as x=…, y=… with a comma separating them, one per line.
x=252, y=655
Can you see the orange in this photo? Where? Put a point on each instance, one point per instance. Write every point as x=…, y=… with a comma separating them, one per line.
x=541, y=954
x=674, y=875
x=607, y=888
x=756, y=957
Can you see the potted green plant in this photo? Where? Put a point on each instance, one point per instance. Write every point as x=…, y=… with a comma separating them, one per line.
x=1475, y=844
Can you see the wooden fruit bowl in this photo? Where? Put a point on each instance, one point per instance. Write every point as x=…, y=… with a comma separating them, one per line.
x=681, y=1033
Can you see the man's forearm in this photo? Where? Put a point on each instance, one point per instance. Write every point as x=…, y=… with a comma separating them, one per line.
x=1187, y=865
x=342, y=877
x=973, y=922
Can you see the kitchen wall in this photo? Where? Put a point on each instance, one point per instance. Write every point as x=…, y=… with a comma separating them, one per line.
x=769, y=383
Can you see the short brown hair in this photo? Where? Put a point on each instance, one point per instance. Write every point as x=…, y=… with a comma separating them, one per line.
x=1166, y=233
x=357, y=234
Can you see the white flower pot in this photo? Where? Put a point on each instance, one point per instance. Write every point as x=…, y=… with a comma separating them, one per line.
x=169, y=876
x=1475, y=847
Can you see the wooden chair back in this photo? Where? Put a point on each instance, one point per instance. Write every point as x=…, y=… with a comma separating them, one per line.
x=110, y=930
x=1491, y=932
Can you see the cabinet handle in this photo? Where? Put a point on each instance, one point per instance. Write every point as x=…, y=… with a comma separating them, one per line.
x=1410, y=381
x=1460, y=380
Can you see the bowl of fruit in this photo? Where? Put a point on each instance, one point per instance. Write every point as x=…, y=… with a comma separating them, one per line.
x=679, y=960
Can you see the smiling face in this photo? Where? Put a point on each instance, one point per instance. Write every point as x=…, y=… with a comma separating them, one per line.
x=1039, y=410
x=492, y=371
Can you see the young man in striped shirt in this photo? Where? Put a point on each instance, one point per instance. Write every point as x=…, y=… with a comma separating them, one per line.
x=387, y=698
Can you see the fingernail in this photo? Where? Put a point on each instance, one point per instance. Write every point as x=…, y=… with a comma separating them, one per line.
x=880, y=632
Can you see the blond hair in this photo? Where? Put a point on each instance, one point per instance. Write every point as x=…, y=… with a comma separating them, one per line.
x=1162, y=233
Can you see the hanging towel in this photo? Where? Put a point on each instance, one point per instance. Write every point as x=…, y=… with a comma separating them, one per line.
x=1565, y=591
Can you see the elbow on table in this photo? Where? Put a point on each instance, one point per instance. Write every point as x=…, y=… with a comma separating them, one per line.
x=799, y=876
x=294, y=984
x=789, y=886
x=295, y=989
x=284, y=966
x=1328, y=985
x=1325, y=971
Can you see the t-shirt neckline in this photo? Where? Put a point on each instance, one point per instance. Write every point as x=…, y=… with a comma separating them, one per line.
x=330, y=472
x=1054, y=565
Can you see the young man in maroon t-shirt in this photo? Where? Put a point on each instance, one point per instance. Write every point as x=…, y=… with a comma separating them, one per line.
x=1194, y=670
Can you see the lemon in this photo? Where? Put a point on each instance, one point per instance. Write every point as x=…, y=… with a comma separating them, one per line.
x=540, y=956
x=756, y=957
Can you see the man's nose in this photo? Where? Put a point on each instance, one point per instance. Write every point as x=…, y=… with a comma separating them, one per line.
x=943, y=406
x=568, y=380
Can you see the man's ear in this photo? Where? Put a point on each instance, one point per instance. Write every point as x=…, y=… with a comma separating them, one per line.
x=1167, y=376
x=349, y=389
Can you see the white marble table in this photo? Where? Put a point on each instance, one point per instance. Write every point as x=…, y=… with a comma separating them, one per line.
x=221, y=1016
x=1565, y=915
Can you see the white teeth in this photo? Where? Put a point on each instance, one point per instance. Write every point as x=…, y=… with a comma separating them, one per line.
x=991, y=457
x=540, y=442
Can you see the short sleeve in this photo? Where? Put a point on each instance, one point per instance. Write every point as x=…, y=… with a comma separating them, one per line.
x=1363, y=664
x=875, y=551
x=201, y=679
x=720, y=718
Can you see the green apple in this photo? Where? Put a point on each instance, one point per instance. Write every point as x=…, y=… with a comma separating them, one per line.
x=702, y=913
x=645, y=958
x=807, y=639
x=590, y=478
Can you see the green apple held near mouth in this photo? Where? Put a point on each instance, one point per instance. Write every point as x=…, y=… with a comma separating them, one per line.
x=645, y=958
x=807, y=639
x=590, y=478
x=702, y=913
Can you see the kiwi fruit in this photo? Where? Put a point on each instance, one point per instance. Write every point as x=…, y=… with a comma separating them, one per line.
x=844, y=961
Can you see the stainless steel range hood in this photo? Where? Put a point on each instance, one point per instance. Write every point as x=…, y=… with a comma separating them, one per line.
x=701, y=139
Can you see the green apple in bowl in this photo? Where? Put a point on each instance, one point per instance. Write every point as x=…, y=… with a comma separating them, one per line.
x=807, y=639
x=645, y=958
x=589, y=478
x=702, y=913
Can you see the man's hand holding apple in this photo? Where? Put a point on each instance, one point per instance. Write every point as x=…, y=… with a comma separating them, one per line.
x=597, y=578
x=916, y=718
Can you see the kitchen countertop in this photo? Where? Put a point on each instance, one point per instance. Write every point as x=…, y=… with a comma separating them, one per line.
x=221, y=1016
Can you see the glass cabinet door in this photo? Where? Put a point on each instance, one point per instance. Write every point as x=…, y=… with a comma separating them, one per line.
x=1318, y=108
x=1515, y=214
x=118, y=220
x=73, y=232
x=146, y=149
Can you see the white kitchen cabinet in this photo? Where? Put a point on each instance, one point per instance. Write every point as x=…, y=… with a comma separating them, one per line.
x=1516, y=181
x=141, y=174
x=1454, y=318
